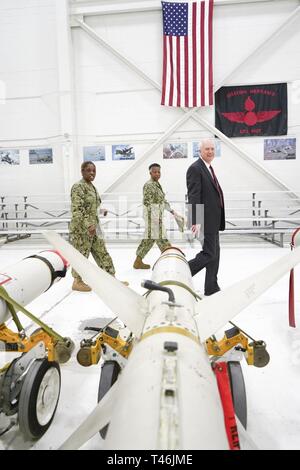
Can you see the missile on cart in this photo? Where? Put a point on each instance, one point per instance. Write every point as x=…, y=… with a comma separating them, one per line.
x=30, y=277
x=30, y=383
x=172, y=391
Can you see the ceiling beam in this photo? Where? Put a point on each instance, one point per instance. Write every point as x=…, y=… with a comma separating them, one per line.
x=203, y=122
x=117, y=7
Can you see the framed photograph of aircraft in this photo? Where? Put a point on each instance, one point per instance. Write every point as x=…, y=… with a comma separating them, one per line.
x=9, y=157
x=94, y=153
x=280, y=149
x=175, y=150
x=40, y=156
x=123, y=152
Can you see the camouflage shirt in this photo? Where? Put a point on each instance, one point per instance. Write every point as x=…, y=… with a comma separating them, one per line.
x=85, y=201
x=154, y=198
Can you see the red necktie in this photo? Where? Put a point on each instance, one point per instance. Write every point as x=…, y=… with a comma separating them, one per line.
x=217, y=186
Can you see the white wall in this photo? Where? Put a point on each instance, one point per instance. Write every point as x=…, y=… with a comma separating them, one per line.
x=114, y=105
x=29, y=115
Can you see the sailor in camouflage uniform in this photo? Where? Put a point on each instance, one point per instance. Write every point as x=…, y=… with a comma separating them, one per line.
x=85, y=232
x=154, y=205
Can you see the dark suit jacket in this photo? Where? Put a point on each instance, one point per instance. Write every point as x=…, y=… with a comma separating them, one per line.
x=202, y=190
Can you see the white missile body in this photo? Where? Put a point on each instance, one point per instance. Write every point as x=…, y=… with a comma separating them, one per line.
x=30, y=277
x=166, y=396
x=172, y=400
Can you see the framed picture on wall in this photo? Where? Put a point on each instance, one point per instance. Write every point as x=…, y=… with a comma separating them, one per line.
x=123, y=152
x=94, y=153
x=175, y=150
x=280, y=149
x=9, y=157
x=40, y=156
x=196, y=148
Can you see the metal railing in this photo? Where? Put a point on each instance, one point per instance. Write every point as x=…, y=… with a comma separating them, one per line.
x=270, y=216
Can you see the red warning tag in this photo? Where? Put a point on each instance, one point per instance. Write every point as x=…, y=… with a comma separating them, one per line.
x=221, y=372
x=294, y=243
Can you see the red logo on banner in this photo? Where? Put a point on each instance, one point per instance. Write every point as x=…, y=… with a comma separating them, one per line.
x=250, y=117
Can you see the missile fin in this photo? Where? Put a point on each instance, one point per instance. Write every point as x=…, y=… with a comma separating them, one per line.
x=246, y=441
x=130, y=307
x=96, y=420
x=215, y=311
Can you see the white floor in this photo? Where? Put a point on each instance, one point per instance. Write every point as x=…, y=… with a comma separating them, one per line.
x=273, y=392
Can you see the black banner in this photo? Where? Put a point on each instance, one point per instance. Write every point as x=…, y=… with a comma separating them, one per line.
x=252, y=110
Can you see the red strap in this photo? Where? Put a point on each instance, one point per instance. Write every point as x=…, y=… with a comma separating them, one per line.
x=64, y=260
x=221, y=372
x=292, y=321
x=297, y=231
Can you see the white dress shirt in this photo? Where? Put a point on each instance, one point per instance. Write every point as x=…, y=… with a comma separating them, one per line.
x=207, y=166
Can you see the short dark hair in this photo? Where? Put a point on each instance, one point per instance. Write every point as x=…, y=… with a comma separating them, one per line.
x=85, y=164
x=154, y=164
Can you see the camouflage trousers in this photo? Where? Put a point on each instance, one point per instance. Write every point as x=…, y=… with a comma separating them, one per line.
x=96, y=246
x=148, y=243
x=157, y=236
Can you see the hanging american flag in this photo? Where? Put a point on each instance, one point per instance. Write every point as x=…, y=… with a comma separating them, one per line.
x=187, y=53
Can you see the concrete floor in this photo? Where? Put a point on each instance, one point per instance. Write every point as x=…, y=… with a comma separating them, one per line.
x=272, y=392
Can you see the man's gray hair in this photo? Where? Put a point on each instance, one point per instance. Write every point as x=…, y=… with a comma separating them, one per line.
x=207, y=141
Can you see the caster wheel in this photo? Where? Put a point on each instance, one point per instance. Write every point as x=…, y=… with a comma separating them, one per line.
x=238, y=391
x=109, y=373
x=39, y=398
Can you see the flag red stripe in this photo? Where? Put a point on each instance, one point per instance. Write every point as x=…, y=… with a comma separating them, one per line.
x=171, y=72
x=194, y=36
x=163, y=95
x=186, y=70
x=210, y=45
x=202, y=29
x=178, y=70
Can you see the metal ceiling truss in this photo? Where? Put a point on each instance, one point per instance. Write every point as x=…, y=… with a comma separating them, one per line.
x=191, y=113
x=110, y=7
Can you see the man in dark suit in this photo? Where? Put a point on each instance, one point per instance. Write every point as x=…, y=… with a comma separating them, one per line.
x=206, y=215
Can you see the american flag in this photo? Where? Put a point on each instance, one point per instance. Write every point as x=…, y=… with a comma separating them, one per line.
x=187, y=54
